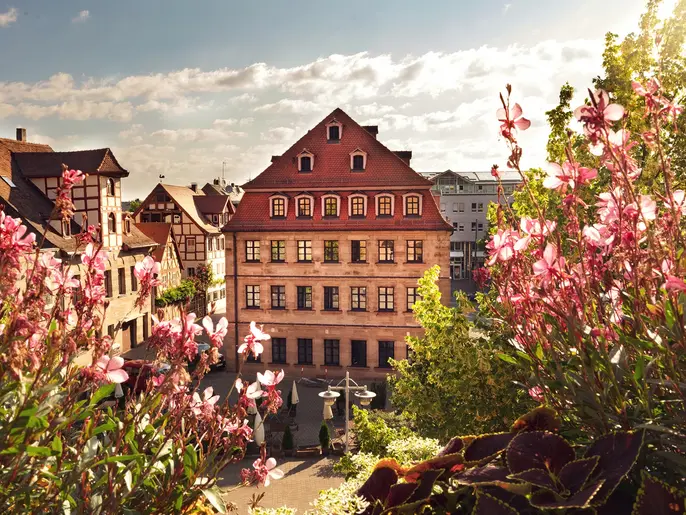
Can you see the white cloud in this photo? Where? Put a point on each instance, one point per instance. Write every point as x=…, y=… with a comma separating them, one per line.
x=278, y=135
x=196, y=134
x=71, y=110
x=506, y=8
x=288, y=105
x=9, y=17
x=178, y=106
x=81, y=17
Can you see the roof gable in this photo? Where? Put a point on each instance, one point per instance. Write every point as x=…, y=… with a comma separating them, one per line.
x=332, y=161
x=99, y=161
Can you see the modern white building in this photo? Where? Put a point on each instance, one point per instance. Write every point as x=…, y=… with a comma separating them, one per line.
x=463, y=198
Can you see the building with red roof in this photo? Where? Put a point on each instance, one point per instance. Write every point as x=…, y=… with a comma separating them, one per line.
x=325, y=249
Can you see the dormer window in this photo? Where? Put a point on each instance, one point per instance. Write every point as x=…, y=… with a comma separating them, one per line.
x=331, y=205
x=334, y=131
x=358, y=160
x=304, y=206
x=357, y=205
x=127, y=225
x=305, y=161
x=412, y=205
x=278, y=206
x=384, y=204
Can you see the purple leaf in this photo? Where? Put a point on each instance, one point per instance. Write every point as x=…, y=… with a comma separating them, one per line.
x=378, y=485
x=658, y=498
x=488, y=475
x=426, y=485
x=488, y=505
x=617, y=454
x=539, y=419
x=450, y=462
x=400, y=493
x=540, y=450
x=487, y=446
x=454, y=446
x=547, y=500
x=574, y=474
x=537, y=477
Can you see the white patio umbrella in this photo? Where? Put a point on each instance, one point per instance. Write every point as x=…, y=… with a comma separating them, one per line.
x=258, y=432
x=328, y=414
x=294, y=395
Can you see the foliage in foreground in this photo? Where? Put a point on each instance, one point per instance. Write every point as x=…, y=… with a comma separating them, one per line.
x=452, y=373
x=528, y=470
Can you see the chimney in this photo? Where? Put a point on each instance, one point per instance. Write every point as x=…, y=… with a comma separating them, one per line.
x=21, y=134
x=216, y=182
x=405, y=155
x=275, y=159
x=194, y=187
x=371, y=129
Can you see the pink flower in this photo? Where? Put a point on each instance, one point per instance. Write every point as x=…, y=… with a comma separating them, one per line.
x=269, y=378
x=560, y=177
x=265, y=470
x=608, y=206
x=678, y=201
x=547, y=267
x=598, y=235
x=254, y=391
x=674, y=284
x=536, y=393
x=146, y=271
x=597, y=116
x=495, y=172
x=501, y=246
x=206, y=403
x=71, y=177
x=512, y=120
x=216, y=336
x=111, y=368
x=533, y=228
x=93, y=258
x=252, y=341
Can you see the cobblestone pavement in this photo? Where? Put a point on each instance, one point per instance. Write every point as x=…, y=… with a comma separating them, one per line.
x=300, y=485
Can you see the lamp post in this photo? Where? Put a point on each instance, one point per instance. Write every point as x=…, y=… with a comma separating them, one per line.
x=361, y=392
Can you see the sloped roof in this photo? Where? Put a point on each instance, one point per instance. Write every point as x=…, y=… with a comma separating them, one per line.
x=253, y=215
x=184, y=197
x=212, y=204
x=160, y=233
x=49, y=164
x=332, y=162
x=505, y=176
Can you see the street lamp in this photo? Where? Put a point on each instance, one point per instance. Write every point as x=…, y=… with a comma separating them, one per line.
x=361, y=392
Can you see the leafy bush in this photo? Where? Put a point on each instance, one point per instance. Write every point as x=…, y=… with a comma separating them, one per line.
x=413, y=448
x=176, y=295
x=324, y=436
x=530, y=470
x=373, y=434
x=287, y=441
x=453, y=381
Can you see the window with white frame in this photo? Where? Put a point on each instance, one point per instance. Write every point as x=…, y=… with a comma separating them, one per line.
x=278, y=206
x=331, y=205
x=358, y=160
x=357, y=205
x=304, y=205
x=384, y=204
x=305, y=161
x=334, y=131
x=412, y=205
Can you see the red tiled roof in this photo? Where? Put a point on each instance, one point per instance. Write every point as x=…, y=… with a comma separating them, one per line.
x=212, y=204
x=160, y=233
x=49, y=164
x=332, y=162
x=253, y=215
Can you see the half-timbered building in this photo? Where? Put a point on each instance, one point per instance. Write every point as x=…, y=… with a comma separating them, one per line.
x=196, y=219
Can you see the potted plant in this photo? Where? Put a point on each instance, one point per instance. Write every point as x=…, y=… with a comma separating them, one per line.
x=324, y=438
x=287, y=442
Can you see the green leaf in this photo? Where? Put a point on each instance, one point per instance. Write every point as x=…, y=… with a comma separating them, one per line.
x=102, y=393
x=33, y=450
x=190, y=461
x=107, y=426
x=506, y=358
x=539, y=351
x=640, y=366
x=57, y=445
x=213, y=495
x=669, y=314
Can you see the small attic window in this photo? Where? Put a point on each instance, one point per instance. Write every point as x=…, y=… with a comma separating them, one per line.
x=305, y=161
x=358, y=160
x=334, y=131
x=9, y=182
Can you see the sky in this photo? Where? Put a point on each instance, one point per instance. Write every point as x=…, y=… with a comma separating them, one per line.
x=188, y=88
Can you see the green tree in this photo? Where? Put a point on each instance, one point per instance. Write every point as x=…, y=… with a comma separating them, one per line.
x=134, y=204
x=454, y=382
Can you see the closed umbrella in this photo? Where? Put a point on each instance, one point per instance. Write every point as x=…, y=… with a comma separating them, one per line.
x=294, y=394
x=253, y=409
x=328, y=414
x=258, y=432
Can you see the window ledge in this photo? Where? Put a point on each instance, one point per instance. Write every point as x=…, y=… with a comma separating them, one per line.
x=358, y=311
x=279, y=217
x=330, y=217
x=278, y=363
x=383, y=368
x=384, y=216
x=330, y=311
x=253, y=308
x=359, y=262
x=360, y=367
x=304, y=217
x=279, y=309
x=306, y=365
x=414, y=216
x=305, y=262
x=386, y=311
x=251, y=262
x=304, y=309
x=414, y=262
x=357, y=217
x=336, y=367
x=331, y=262
x=279, y=262
x=385, y=262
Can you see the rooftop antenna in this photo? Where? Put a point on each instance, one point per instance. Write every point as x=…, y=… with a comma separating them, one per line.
x=223, y=166
x=161, y=177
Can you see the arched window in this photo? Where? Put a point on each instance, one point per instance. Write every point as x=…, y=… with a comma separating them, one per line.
x=278, y=206
x=330, y=205
x=304, y=205
x=110, y=187
x=384, y=204
x=305, y=161
x=111, y=223
x=358, y=160
x=127, y=225
x=412, y=205
x=357, y=205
